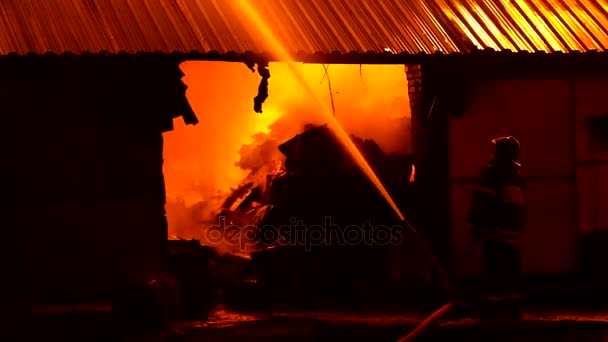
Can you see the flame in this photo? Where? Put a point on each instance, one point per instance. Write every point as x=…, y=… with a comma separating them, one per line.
x=201, y=161
x=254, y=15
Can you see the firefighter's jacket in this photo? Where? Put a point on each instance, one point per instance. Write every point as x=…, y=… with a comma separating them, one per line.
x=497, y=208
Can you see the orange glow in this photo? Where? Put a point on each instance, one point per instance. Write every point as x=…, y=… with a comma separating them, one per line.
x=371, y=102
x=512, y=32
x=453, y=16
x=263, y=28
x=537, y=21
x=580, y=24
x=477, y=28
x=309, y=26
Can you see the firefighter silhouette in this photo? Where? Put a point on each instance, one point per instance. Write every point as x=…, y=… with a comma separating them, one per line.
x=496, y=221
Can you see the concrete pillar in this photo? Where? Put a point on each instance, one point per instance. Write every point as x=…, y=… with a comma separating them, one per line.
x=430, y=139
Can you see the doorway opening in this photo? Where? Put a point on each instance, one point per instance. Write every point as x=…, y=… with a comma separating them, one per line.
x=222, y=167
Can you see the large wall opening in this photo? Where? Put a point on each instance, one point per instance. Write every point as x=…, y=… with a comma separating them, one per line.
x=233, y=146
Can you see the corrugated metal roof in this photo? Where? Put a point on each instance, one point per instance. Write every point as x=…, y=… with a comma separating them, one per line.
x=531, y=25
x=307, y=26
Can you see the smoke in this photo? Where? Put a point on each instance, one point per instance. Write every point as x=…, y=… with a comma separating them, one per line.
x=371, y=102
x=232, y=143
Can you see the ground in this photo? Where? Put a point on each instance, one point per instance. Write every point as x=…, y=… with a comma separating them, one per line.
x=226, y=325
x=536, y=326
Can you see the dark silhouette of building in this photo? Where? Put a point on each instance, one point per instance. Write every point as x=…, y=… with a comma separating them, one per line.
x=81, y=169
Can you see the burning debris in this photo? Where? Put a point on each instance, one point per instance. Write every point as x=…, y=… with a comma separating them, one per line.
x=308, y=178
x=202, y=164
x=291, y=172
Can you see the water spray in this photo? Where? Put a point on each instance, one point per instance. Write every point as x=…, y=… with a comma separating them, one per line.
x=338, y=130
x=253, y=15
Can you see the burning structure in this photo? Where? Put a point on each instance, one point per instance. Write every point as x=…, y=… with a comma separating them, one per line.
x=224, y=177
x=85, y=175
x=295, y=173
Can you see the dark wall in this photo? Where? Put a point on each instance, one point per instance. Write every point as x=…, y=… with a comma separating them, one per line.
x=591, y=131
x=88, y=190
x=566, y=173
x=545, y=100
x=538, y=112
x=429, y=133
x=14, y=284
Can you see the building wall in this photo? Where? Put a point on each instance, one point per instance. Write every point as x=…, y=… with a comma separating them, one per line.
x=547, y=116
x=592, y=176
x=87, y=143
x=591, y=158
x=88, y=198
x=430, y=141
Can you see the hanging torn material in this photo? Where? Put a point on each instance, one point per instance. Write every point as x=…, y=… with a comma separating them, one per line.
x=263, y=87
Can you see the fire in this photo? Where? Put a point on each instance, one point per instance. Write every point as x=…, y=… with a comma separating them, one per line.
x=204, y=162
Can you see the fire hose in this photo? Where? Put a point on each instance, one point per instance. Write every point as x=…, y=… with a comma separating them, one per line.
x=439, y=268
x=447, y=286
x=443, y=274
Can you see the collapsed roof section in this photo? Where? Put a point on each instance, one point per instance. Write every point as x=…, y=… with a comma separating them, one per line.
x=306, y=27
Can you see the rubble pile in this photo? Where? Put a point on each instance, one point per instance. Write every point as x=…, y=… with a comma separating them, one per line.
x=321, y=181
x=190, y=269
x=311, y=181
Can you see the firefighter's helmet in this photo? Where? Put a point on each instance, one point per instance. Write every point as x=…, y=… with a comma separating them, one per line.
x=507, y=148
